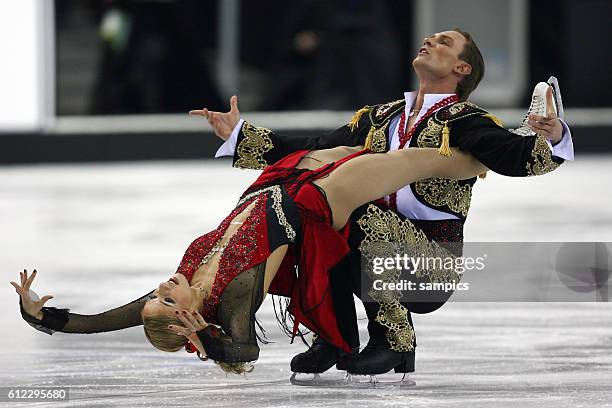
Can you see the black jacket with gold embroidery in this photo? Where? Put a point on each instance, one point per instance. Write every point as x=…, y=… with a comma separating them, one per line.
x=469, y=128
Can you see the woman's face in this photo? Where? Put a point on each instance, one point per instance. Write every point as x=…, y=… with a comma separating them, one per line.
x=170, y=296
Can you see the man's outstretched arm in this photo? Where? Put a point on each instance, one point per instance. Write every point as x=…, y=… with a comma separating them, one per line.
x=256, y=147
x=509, y=154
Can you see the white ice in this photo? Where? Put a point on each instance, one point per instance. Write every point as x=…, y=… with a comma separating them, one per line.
x=104, y=234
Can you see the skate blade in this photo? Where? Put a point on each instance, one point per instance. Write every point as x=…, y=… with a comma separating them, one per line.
x=554, y=83
x=371, y=381
x=317, y=381
x=350, y=381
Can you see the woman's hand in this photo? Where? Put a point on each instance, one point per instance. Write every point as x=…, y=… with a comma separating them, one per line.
x=193, y=322
x=31, y=306
x=222, y=122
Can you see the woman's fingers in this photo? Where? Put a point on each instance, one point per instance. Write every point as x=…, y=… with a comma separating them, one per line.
x=180, y=330
x=193, y=320
x=185, y=318
x=200, y=320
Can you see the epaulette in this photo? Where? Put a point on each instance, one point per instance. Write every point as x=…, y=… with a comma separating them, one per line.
x=381, y=112
x=458, y=111
x=462, y=110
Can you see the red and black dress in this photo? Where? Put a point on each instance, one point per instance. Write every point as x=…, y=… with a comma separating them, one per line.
x=289, y=209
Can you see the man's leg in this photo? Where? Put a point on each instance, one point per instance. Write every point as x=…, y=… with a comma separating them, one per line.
x=321, y=356
x=379, y=355
x=392, y=341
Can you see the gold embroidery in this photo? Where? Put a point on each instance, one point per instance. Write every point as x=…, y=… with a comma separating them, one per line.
x=438, y=191
x=444, y=192
x=382, y=110
x=456, y=108
x=277, y=198
x=394, y=316
x=378, y=139
x=458, y=111
x=430, y=136
x=385, y=233
x=541, y=158
x=251, y=149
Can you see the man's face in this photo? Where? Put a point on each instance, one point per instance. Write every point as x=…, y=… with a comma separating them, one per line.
x=439, y=56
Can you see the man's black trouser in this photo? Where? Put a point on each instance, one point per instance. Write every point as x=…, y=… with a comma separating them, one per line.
x=346, y=279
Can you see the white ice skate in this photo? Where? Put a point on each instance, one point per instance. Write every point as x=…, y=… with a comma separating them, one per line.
x=542, y=104
x=350, y=381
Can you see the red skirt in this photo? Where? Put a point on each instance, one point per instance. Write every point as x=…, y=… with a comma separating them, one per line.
x=291, y=210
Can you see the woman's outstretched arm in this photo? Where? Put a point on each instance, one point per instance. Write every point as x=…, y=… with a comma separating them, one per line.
x=51, y=319
x=372, y=176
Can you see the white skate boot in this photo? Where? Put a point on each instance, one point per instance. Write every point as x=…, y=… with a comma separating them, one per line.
x=545, y=100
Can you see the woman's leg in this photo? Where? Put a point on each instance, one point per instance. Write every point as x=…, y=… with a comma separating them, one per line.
x=372, y=176
x=272, y=264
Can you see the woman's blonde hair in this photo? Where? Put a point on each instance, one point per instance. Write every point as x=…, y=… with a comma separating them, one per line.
x=157, y=332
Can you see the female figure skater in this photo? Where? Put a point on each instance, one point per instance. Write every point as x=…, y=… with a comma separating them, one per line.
x=294, y=214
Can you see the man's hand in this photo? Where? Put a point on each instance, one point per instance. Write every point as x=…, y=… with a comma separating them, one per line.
x=31, y=306
x=193, y=322
x=548, y=126
x=222, y=123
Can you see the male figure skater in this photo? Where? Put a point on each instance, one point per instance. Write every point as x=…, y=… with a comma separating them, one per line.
x=449, y=67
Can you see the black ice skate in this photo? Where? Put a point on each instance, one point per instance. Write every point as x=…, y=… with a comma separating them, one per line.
x=377, y=359
x=320, y=357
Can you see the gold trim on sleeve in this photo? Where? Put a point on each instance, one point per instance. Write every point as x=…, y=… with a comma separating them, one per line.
x=541, y=158
x=252, y=147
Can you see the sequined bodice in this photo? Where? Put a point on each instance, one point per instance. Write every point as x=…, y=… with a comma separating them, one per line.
x=242, y=251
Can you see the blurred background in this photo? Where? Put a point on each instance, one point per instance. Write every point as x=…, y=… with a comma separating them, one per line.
x=80, y=79
x=98, y=193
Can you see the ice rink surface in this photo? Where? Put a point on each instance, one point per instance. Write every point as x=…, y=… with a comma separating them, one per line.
x=104, y=234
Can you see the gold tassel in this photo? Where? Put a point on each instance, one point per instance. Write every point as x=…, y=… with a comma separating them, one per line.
x=368, y=141
x=483, y=174
x=354, y=123
x=495, y=119
x=444, y=149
